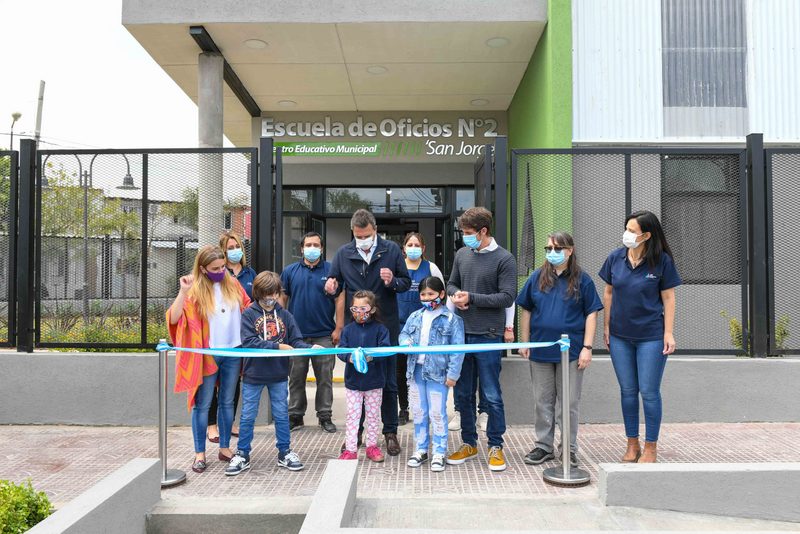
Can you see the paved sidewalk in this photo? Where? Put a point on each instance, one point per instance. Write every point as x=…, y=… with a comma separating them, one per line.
x=66, y=460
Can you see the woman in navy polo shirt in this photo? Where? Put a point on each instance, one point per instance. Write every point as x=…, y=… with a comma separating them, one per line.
x=558, y=298
x=639, y=301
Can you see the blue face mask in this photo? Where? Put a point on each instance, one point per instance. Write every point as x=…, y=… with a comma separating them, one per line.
x=472, y=241
x=312, y=254
x=431, y=304
x=235, y=255
x=556, y=258
x=414, y=253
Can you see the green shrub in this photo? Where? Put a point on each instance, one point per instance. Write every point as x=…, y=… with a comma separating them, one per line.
x=735, y=330
x=21, y=507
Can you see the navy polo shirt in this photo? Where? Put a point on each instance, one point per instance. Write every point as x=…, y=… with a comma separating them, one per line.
x=245, y=277
x=637, y=311
x=555, y=312
x=313, y=309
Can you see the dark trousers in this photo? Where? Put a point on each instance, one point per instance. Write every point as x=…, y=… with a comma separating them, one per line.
x=402, y=389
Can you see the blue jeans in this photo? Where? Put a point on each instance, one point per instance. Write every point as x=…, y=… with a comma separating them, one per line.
x=639, y=366
x=428, y=402
x=279, y=401
x=481, y=369
x=228, y=374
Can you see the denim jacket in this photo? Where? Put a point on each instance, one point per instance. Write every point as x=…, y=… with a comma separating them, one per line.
x=447, y=329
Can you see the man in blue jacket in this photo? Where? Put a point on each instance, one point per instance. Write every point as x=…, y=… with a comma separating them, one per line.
x=375, y=264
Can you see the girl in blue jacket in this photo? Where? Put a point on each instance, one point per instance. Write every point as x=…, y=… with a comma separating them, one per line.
x=430, y=376
x=364, y=388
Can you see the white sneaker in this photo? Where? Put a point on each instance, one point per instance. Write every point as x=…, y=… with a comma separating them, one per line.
x=483, y=421
x=455, y=422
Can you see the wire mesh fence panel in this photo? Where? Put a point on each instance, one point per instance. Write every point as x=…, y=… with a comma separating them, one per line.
x=8, y=172
x=785, y=180
x=697, y=197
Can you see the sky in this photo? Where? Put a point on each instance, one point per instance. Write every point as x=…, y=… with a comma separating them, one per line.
x=102, y=88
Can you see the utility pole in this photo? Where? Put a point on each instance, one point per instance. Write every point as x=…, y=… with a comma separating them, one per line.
x=38, y=132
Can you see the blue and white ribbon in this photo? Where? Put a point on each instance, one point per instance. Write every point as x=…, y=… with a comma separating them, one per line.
x=358, y=355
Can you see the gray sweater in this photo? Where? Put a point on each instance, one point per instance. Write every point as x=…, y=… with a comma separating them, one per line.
x=490, y=278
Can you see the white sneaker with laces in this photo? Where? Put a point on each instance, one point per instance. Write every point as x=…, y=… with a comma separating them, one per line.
x=483, y=421
x=455, y=422
x=437, y=464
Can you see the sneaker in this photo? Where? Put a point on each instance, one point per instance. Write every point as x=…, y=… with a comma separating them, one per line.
x=374, y=453
x=537, y=456
x=483, y=421
x=497, y=460
x=417, y=459
x=402, y=417
x=466, y=452
x=290, y=461
x=295, y=421
x=348, y=455
x=327, y=425
x=455, y=422
x=437, y=464
x=573, y=458
x=240, y=462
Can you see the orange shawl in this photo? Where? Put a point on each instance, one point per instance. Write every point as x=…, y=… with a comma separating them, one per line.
x=191, y=331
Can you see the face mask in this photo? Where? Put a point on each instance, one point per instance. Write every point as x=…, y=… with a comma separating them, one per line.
x=216, y=277
x=431, y=304
x=414, y=253
x=556, y=258
x=268, y=304
x=312, y=254
x=235, y=255
x=361, y=317
x=629, y=239
x=472, y=241
x=364, y=244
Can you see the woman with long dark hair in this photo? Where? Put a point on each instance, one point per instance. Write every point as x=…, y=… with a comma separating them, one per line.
x=558, y=298
x=639, y=316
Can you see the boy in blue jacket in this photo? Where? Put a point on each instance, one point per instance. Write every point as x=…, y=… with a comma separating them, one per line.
x=266, y=325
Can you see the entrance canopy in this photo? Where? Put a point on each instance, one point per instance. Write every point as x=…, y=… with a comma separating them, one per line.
x=347, y=55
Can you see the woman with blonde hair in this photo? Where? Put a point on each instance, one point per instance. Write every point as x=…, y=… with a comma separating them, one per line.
x=207, y=313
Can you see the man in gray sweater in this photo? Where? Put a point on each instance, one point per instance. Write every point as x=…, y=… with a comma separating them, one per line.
x=483, y=283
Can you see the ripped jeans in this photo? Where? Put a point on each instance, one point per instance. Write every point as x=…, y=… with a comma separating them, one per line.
x=428, y=403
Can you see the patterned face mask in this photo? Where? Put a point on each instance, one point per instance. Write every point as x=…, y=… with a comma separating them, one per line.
x=361, y=314
x=432, y=304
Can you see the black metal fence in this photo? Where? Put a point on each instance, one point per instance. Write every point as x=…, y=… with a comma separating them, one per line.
x=699, y=195
x=9, y=168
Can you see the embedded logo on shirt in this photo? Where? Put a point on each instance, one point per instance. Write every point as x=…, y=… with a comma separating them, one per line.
x=651, y=276
x=275, y=331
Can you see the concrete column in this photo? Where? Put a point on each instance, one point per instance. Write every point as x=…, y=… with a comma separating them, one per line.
x=209, y=109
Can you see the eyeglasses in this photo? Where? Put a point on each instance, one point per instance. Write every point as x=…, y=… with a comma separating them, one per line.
x=556, y=249
x=360, y=309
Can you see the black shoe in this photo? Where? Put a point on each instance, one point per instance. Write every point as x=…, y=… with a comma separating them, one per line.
x=537, y=456
x=573, y=458
x=402, y=417
x=327, y=425
x=295, y=421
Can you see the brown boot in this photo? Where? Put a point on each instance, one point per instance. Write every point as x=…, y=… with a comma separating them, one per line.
x=649, y=454
x=633, y=452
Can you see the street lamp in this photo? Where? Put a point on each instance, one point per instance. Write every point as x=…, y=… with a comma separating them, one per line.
x=14, y=118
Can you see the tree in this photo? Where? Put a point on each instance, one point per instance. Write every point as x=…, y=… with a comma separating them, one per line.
x=345, y=201
x=186, y=211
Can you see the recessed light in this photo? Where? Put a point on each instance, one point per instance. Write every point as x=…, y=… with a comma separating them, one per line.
x=287, y=103
x=256, y=44
x=479, y=102
x=377, y=69
x=497, y=42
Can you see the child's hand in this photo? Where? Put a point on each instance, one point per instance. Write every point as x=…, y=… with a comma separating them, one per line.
x=283, y=346
x=508, y=336
x=524, y=352
x=315, y=346
x=450, y=383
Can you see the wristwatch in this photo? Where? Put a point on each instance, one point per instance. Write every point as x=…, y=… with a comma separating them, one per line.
x=587, y=347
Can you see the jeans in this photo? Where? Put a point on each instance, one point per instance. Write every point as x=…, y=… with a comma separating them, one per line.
x=278, y=399
x=639, y=366
x=428, y=401
x=481, y=369
x=547, y=398
x=323, y=372
x=214, y=409
x=228, y=374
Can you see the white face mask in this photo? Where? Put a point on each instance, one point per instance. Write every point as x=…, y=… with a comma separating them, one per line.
x=364, y=244
x=629, y=239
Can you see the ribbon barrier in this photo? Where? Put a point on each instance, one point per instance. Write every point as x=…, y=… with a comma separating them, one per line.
x=361, y=355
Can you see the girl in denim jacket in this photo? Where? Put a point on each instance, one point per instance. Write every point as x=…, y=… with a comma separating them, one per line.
x=431, y=375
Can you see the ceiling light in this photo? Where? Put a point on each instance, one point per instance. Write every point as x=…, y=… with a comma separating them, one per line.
x=377, y=69
x=256, y=44
x=479, y=102
x=497, y=42
x=287, y=103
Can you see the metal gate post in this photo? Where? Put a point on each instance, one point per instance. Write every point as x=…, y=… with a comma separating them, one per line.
x=758, y=300
x=25, y=248
x=500, y=171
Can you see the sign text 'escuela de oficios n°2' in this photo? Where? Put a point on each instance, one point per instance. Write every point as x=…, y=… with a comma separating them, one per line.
x=404, y=136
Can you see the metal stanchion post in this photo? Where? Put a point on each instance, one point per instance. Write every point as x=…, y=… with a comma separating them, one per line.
x=169, y=477
x=566, y=475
